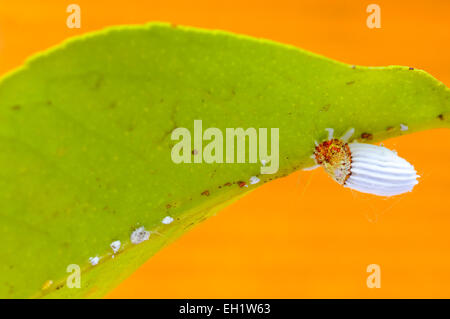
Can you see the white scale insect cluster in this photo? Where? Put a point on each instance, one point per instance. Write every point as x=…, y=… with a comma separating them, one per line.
x=364, y=167
x=139, y=235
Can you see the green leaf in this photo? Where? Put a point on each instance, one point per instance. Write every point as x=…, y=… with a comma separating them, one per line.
x=85, y=139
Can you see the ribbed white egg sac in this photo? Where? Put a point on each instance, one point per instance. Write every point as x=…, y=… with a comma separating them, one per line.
x=379, y=171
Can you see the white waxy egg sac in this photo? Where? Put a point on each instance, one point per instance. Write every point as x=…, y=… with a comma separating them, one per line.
x=380, y=171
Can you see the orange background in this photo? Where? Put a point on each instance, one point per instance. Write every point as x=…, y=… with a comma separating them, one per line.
x=284, y=240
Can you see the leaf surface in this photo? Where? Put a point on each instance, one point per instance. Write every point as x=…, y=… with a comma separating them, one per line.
x=85, y=139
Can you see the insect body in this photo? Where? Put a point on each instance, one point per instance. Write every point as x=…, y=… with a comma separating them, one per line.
x=364, y=167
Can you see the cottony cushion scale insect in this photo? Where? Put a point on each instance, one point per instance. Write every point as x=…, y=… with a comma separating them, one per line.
x=363, y=167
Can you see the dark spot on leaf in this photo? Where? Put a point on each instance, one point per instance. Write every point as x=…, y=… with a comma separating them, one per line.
x=227, y=184
x=389, y=128
x=325, y=108
x=411, y=68
x=350, y=82
x=10, y=289
x=441, y=117
x=241, y=184
x=205, y=193
x=367, y=136
x=168, y=206
x=98, y=83
x=16, y=107
x=194, y=152
x=113, y=105
x=188, y=226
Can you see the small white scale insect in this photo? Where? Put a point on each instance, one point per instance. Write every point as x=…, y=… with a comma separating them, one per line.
x=115, y=246
x=167, y=220
x=139, y=235
x=363, y=167
x=94, y=260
